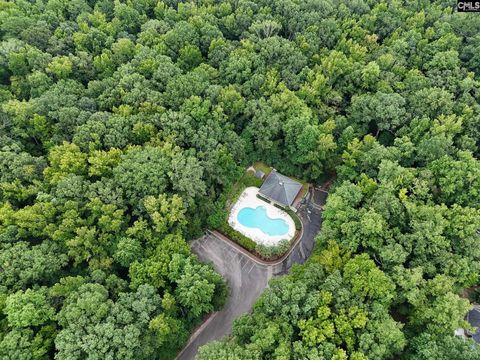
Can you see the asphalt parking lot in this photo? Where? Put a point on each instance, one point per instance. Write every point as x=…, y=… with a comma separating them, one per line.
x=246, y=280
x=246, y=277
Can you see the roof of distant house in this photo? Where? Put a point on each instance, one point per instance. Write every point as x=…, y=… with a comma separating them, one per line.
x=280, y=188
x=473, y=318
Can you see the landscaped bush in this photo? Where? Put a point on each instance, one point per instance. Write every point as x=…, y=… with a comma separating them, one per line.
x=249, y=179
x=233, y=193
x=269, y=252
x=296, y=219
x=263, y=198
x=240, y=239
x=293, y=215
x=219, y=219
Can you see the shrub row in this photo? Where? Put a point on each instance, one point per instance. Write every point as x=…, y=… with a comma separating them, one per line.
x=296, y=219
x=270, y=252
x=263, y=198
x=219, y=220
x=240, y=239
x=293, y=215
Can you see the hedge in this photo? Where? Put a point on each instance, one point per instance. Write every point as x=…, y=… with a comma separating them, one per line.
x=296, y=219
x=268, y=252
x=240, y=239
x=293, y=215
x=276, y=251
x=263, y=198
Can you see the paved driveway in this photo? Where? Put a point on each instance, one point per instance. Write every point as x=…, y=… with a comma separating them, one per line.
x=246, y=278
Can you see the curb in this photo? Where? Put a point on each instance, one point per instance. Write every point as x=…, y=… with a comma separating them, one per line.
x=252, y=256
x=196, y=333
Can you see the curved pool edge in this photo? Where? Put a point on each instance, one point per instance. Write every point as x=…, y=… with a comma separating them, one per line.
x=249, y=198
x=258, y=218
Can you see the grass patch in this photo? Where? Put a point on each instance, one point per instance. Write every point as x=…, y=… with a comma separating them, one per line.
x=246, y=180
x=259, y=165
x=304, y=188
x=249, y=179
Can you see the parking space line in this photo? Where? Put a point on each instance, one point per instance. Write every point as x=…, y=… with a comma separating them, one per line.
x=251, y=268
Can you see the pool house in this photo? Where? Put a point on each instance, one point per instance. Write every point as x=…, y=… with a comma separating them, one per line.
x=280, y=189
x=261, y=220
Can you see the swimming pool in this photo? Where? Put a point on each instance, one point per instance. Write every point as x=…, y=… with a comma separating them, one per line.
x=258, y=218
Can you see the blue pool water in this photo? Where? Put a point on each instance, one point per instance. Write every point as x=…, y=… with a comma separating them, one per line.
x=258, y=218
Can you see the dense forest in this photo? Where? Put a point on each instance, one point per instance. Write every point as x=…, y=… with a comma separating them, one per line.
x=123, y=123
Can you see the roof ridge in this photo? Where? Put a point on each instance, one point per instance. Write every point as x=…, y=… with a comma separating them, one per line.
x=280, y=188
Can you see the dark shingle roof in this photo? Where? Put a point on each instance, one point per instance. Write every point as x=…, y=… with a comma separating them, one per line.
x=280, y=188
x=473, y=318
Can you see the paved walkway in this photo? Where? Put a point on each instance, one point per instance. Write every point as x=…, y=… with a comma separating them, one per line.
x=246, y=277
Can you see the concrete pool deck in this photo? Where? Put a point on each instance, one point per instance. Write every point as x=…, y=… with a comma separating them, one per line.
x=249, y=198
